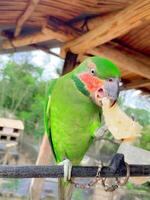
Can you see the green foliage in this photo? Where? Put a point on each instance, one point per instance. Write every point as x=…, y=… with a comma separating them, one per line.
x=11, y=184
x=143, y=117
x=80, y=194
x=143, y=187
x=130, y=186
x=22, y=92
x=140, y=115
x=144, y=141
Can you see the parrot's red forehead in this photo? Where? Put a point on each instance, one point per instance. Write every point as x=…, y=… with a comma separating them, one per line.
x=92, y=82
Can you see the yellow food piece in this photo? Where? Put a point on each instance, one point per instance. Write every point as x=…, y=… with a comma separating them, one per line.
x=119, y=123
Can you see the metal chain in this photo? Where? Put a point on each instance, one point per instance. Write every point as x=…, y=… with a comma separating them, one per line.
x=122, y=182
x=107, y=188
x=90, y=183
x=119, y=182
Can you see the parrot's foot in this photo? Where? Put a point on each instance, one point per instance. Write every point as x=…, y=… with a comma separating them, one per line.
x=100, y=133
x=67, y=169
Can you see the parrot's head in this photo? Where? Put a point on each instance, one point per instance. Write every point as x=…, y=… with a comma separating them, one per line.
x=98, y=78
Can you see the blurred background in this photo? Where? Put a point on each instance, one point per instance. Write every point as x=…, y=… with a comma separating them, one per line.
x=24, y=78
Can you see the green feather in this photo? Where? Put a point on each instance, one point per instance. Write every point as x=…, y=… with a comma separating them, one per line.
x=47, y=112
x=71, y=117
x=47, y=105
x=105, y=68
x=80, y=85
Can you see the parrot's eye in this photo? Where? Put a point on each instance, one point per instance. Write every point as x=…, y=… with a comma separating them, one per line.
x=93, y=71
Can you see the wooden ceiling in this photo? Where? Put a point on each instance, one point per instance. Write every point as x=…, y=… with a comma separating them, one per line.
x=138, y=38
x=116, y=29
x=65, y=10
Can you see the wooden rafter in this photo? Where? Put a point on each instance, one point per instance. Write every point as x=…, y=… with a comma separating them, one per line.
x=63, y=8
x=121, y=23
x=132, y=62
x=127, y=60
x=45, y=49
x=71, y=33
x=27, y=13
x=42, y=36
x=137, y=64
x=139, y=83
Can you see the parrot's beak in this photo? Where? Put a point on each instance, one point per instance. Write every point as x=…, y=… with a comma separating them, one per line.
x=109, y=90
x=100, y=89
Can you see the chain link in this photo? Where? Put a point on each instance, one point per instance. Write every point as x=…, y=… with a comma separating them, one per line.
x=107, y=188
x=119, y=182
x=90, y=183
x=122, y=182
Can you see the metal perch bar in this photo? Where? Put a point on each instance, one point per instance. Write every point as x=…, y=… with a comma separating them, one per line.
x=116, y=168
x=77, y=171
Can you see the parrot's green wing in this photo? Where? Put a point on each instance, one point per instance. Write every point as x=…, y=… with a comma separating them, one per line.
x=74, y=119
x=47, y=111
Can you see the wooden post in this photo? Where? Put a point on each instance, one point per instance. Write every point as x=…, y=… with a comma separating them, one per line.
x=44, y=158
x=70, y=62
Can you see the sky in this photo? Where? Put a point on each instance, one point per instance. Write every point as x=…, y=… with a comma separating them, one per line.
x=49, y=62
x=39, y=58
x=134, y=99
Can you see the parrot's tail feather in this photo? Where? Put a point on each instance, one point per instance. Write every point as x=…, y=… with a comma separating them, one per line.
x=65, y=190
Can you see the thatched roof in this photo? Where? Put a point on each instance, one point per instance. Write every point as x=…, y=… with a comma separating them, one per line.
x=116, y=29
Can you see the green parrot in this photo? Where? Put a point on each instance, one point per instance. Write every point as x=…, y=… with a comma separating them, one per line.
x=73, y=111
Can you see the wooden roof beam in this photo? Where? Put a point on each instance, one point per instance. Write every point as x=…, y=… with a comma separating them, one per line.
x=45, y=35
x=138, y=64
x=25, y=16
x=115, y=26
x=139, y=83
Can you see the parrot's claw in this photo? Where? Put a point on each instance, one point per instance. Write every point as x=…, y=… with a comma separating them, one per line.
x=100, y=133
x=67, y=169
